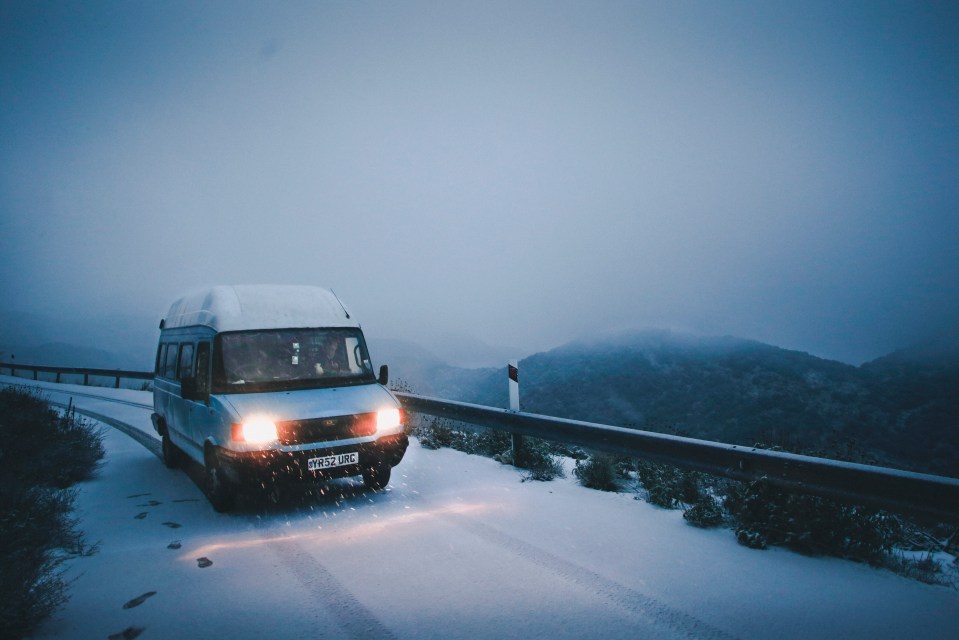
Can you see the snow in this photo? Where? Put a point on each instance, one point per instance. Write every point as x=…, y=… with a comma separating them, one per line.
x=457, y=547
x=248, y=307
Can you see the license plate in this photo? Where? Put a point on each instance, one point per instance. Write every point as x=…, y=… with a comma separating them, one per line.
x=328, y=462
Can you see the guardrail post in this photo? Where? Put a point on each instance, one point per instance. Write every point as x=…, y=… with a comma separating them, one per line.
x=516, y=439
x=36, y=374
x=117, y=385
x=86, y=379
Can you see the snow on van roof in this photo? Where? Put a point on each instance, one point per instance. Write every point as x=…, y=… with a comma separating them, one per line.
x=246, y=307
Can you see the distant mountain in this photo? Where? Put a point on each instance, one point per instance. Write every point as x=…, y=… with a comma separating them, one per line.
x=407, y=360
x=110, y=340
x=468, y=352
x=715, y=388
x=940, y=350
x=58, y=354
x=418, y=370
x=917, y=391
x=902, y=410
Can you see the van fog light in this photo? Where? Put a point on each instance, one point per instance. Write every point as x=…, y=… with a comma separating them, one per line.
x=387, y=419
x=256, y=431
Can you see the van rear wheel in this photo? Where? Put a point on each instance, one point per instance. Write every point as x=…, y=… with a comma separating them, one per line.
x=171, y=453
x=219, y=490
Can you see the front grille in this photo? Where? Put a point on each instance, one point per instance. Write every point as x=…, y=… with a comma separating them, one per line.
x=326, y=429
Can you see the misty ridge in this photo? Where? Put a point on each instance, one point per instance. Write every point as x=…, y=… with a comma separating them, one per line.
x=899, y=410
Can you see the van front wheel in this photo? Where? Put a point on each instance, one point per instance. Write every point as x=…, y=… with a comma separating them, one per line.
x=219, y=490
x=377, y=477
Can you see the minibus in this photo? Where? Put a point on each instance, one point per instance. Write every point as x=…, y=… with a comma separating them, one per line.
x=266, y=385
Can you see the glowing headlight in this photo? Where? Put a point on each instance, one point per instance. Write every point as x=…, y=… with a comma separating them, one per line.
x=387, y=419
x=256, y=430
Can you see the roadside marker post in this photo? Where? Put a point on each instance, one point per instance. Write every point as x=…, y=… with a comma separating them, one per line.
x=516, y=439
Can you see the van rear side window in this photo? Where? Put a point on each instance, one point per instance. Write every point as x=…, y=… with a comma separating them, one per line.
x=185, y=367
x=161, y=359
x=169, y=368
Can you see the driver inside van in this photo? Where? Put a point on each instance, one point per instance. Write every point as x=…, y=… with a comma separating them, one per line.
x=332, y=360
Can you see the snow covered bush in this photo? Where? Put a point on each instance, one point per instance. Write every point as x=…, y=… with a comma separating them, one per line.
x=598, y=471
x=41, y=455
x=668, y=486
x=705, y=512
x=765, y=515
x=434, y=433
x=539, y=462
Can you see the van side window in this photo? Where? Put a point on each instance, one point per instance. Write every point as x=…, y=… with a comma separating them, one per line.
x=161, y=360
x=185, y=367
x=169, y=368
x=203, y=367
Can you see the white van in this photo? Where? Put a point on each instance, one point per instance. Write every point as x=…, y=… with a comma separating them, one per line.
x=266, y=384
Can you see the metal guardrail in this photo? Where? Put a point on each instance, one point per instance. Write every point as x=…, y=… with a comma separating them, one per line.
x=116, y=374
x=882, y=487
x=893, y=489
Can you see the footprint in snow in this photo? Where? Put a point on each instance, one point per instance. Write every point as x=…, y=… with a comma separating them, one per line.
x=127, y=634
x=172, y=525
x=174, y=545
x=141, y=515
x=136, y=602
x=203, y=563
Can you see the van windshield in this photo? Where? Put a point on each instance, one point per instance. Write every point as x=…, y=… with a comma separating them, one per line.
x=283, y=359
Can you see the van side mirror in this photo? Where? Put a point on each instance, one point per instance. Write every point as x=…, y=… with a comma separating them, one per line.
x=384, y=375
x=189, y=390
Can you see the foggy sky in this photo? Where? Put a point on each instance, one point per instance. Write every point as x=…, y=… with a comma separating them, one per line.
x=525, y=173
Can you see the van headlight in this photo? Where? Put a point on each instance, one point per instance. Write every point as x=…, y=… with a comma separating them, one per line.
x=255, y=431
x=388, y=419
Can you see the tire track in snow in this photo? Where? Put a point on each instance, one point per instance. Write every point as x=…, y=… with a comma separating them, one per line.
x=357, y=621
x=645, y=606
x=138, y=405
x=149, y=442
x=354, y=619
x=131, y=403
x=152, y=444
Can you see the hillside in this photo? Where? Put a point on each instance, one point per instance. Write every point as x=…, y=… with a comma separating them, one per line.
x=916, y=390
x=900, y=410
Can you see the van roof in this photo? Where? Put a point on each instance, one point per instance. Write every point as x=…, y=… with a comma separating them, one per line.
x=247, y=307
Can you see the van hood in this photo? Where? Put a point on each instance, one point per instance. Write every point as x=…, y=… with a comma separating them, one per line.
x=304, y=404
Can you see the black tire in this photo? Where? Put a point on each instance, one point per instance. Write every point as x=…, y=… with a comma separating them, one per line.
x=376, y=478
x=172, y=456
x=219, y=490
x=273, y=493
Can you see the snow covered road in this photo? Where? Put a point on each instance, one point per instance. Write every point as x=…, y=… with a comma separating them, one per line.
x=457, y=547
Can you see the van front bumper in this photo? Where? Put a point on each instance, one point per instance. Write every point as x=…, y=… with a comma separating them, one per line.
x=256, y=467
